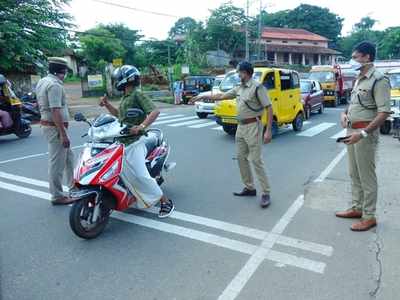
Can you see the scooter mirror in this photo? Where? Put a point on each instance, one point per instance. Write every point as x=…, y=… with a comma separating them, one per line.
x=79, y=117
x=134, y=113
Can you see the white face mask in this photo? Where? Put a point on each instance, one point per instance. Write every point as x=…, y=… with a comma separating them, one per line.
x=355, y=65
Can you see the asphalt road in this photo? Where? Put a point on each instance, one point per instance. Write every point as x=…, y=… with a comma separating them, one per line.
x=214, y=246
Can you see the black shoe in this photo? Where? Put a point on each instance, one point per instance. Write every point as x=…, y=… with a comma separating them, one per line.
x=246, y=193
x=166, y=209
x=265, y=201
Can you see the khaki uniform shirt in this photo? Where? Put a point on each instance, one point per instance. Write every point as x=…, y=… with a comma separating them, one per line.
x=135, y=99
x=362, y=92
x=51, y=94
x=246, y=93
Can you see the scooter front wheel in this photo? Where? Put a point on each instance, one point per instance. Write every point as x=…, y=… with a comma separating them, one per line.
x=88, y=218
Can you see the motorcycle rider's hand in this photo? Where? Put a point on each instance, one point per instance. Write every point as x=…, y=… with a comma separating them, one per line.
x=135, y=130
x=103, y=101
x=195, y=99
x=344, y=120
x=65, y=141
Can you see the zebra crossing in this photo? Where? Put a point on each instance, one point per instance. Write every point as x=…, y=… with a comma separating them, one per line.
x=310, y=128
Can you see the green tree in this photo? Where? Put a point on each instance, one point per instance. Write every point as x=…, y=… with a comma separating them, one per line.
x=100, y=47
x=225, y=28
x=28, y=32
x=128, y=38
x=313, y=18
x=156, y=53
x=183, y=27
x=390, y=44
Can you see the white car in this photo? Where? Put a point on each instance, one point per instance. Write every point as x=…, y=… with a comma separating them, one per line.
x=206, y=107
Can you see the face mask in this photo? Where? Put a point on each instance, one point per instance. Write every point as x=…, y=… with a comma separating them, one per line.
x=355, y=65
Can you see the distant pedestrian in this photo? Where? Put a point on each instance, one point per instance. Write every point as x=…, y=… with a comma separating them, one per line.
x=368, y=110
x=54, y=123
x=178, y=90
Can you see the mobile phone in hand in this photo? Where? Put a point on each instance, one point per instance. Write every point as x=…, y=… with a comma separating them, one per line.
x=342, y=139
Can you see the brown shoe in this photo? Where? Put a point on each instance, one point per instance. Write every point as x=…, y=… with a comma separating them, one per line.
x=62, y=201
x=349, y=214
x=364, y=225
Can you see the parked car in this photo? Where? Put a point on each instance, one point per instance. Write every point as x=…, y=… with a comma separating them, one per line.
x=206, y=107
x=312, y=97
x=194, y=85
x=283, y=88
x=394, y=77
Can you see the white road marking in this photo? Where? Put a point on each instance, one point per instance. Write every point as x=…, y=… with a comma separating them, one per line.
x=212, y=223
x=33, y=155
x=169, y=117
x=207, y=124
x=186, y=123
x=193, y=234
x=341, y=133
x=313, y=131
x=218, y=128
x=173, y=120
x=238, y=283
x=265, y=251
x=331, y=166
x=248, y=231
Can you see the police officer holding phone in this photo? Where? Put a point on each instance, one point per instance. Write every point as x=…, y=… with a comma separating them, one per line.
x=368, y=110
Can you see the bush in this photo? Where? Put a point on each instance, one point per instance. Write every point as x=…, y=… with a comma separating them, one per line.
x=150, y=87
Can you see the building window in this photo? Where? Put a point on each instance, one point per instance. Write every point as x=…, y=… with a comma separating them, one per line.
x=316, y=43
x=299, y=43
x=269, y=41
x=270, y=56
x=286, y=57
x=284, y=42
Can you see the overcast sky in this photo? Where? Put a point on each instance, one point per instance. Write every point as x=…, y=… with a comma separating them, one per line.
x=88, y=13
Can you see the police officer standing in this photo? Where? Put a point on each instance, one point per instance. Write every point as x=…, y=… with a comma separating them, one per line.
x=252, y=100
x=368, y=110
x=54, y=123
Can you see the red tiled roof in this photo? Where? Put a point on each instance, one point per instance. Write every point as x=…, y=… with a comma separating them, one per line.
x=291, y=34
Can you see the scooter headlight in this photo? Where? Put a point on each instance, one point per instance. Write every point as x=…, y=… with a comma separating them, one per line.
x=111, y=172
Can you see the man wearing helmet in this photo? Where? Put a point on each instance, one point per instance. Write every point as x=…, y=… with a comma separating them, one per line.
x=252, y=100
x=145, y=188
x=54, y=123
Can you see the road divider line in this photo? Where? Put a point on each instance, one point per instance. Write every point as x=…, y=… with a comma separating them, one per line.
x=173, y=120
x=187, y=123
x=218, y=128
x=193, y=234
x=313, y=131
x=33, y=155
x=211, y=223
x=169, y=117
x=207, y=124
x=325, y=173
x=341, y=133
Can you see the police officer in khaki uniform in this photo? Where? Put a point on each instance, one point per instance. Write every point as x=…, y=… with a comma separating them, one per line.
x=252, y=100
x=54, y=123
x=368, y=110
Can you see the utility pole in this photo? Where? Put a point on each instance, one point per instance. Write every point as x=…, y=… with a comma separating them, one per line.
x=259, y=32
x=247, y=29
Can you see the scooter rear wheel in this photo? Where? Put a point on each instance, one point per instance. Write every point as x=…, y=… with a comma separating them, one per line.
x=80, y=218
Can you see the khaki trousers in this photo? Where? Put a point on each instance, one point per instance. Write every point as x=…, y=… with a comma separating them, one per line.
x=61, y=162
x=249, y=141
x=364, y=184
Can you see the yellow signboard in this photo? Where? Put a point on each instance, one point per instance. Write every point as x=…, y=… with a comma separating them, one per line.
x=117, y=62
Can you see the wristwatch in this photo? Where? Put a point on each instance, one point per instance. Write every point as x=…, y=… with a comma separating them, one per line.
x=364, y=134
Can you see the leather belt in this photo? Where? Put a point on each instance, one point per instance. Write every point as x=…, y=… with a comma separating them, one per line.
x=50, y=123
x=248, y=121
x=359, y=125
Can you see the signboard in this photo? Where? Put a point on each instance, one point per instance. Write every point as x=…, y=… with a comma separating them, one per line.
x=117, y=62
x=95, y=81
x=185, y=69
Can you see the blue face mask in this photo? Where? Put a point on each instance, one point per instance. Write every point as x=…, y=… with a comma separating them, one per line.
x=355, y=65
